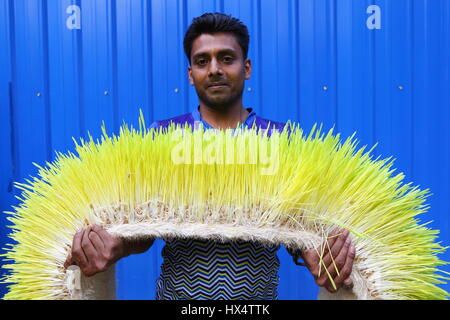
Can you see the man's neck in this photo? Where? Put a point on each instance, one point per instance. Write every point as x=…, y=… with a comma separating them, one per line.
x=225, y=119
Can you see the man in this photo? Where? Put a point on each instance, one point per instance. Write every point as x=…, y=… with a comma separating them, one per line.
x=216, y=46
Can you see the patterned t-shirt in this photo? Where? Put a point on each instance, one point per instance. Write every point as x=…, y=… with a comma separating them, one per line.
x=205, y=269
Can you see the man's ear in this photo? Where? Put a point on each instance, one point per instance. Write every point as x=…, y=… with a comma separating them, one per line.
x=247, y=68
x=191, y=80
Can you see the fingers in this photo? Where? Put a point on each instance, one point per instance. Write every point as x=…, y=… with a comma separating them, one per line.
x=329, y=251
x=96, y=241
x=104, y=236
x=84, y=252
x=328, y=245
x=78, y=255
x=335, y=248
x=87, y=245
x=338, y=256
x=113, y=246
x=312, y=256
x=344, y=280
x=344, y=276
x=348, y=282
x=102, y=233
x=338, y=261
x=312, y=261
x=68, y=261
x=94, y=250
x=334, y=267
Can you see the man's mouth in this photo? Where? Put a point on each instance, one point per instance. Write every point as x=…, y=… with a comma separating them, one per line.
x=217, y=86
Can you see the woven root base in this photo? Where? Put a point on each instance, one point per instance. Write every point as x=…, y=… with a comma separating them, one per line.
x=101, y=286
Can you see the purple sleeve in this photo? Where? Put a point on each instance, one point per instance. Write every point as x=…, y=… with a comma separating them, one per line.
x=154, y=125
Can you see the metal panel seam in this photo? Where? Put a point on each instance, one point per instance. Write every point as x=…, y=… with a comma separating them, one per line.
x=114, y=66
x=46, y=76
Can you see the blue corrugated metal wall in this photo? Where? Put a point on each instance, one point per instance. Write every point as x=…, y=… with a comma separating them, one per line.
x=67, y=65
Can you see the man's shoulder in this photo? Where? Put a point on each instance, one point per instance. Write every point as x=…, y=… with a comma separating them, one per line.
x=269, y=124
x=180, y=119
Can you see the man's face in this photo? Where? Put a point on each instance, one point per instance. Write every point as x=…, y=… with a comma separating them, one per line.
x=218, y=70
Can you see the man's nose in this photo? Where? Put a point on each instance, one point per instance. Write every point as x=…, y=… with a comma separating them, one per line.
x=215, y=68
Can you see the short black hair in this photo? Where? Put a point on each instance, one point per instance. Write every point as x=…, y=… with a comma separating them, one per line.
x=216, y=22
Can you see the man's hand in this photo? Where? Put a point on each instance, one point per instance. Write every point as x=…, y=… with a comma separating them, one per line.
x=94, y=250
x=340, y=250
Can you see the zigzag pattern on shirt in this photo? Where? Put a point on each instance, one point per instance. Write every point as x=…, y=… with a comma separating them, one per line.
x=239, y=255
x=219, y=291
x=204, y=269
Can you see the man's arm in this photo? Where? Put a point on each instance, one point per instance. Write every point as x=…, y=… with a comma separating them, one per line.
x=338, y=254
x=94, y=249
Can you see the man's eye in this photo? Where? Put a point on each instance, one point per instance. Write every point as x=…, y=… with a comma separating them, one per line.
x=228, y=59
x=201, y=62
